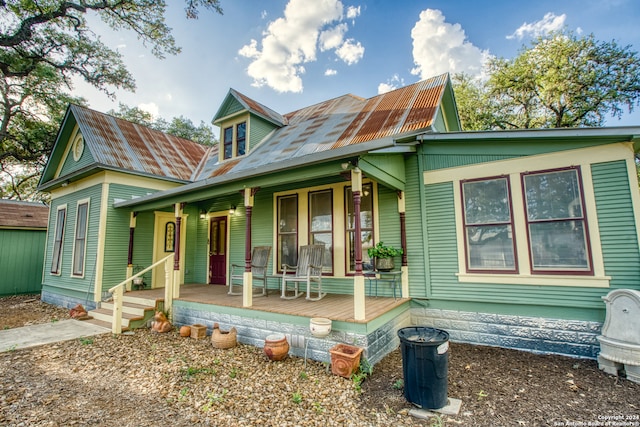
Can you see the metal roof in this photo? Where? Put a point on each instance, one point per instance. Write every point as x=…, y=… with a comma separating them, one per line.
x=128, y=146
x=341, y=122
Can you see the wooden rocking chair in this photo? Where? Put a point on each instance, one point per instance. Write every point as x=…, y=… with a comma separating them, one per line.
x=259, y=263
x=308, y=270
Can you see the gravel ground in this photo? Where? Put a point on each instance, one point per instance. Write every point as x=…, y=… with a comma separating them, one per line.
x=151, y=379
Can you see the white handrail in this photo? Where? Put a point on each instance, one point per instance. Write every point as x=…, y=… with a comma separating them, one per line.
x=118, y=292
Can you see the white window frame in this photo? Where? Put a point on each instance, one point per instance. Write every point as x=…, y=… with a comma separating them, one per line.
x=233, y=125
x=74, y=272
x=584, y=158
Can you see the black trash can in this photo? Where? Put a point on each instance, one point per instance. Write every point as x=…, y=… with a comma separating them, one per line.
x=425, y=365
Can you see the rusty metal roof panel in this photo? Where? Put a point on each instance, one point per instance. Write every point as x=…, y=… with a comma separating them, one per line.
x=124, y=145
x=339, y=122
x=258, y=108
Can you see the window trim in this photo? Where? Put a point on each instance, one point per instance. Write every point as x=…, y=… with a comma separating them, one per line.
x=278, y=256
x=74, y=272
x=60, y=242
x=584, y=218
x=511, y=223
x=233, y=124
x=339, y=225
x=584, y=157
x=326, y=271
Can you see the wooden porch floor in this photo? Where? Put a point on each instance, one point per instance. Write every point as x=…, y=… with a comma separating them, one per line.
x=333, y=306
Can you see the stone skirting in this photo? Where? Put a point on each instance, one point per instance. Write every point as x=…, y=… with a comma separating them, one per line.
x=572, y=338
x=253, y=331
x=65, y=301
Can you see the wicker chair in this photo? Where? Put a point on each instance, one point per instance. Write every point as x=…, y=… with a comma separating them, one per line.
x=308, y=270
x=259, y=263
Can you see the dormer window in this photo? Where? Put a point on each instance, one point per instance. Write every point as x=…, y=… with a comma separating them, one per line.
x=234, y=140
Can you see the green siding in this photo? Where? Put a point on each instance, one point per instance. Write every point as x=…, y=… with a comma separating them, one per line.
x=21, y=257
x=230, y=106
x=70, y=165
x=259, y=129
x=619, y=245
x=616, y=221
x=433, y=162
x=416, y=255
x=81, y=287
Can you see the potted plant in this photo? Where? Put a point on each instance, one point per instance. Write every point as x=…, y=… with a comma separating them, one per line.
x=384, y=256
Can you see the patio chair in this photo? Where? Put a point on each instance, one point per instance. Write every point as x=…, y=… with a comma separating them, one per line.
x=259, y=262
x=308, y=270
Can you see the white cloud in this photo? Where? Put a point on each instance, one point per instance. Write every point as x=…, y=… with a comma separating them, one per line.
x=550, y=22
x=353, y=12
x=292, y=40
x=440, y=47
x=350, y=52
x=392, y=84
x=330, y=72
x=151, y=108
x=333, y=37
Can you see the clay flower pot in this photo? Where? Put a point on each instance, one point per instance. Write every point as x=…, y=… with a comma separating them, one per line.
x=345, y=359
x=185, y=331
x=276, y=347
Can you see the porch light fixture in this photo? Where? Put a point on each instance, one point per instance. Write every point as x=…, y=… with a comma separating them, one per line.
x=232, y=210
x=203, y=214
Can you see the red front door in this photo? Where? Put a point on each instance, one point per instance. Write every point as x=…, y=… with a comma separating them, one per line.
x=218, y=251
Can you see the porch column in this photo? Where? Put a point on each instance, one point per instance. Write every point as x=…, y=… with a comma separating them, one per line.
x=132, y=228
x=247, y=276
x=176, y=255
x=358, y=278
x=403, y=242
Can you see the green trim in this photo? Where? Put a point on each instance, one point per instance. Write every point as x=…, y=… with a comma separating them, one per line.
x=386, y=169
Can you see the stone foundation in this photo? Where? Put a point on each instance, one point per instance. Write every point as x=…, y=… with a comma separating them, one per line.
x=252, y=331
x=534, y=334
x=65, y=301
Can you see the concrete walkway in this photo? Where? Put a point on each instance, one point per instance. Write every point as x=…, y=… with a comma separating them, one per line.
x=47, y=333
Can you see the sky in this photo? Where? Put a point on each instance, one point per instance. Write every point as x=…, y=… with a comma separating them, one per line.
x=289, y=54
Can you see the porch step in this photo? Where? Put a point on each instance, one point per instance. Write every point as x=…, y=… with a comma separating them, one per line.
x=136, y=312
x=103, y=324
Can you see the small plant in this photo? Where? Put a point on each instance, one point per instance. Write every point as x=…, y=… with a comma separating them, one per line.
x=398, y=384
x=183, y=393
x=214, y=398
x=233, y=373
x=303, y=375
x=482, y=394
x=436, y=421
x=381, y=251
x=13, y=348
x=364, y=370
x=296, y=397
x=318, y=407
x=86, y=341
x=190, y=371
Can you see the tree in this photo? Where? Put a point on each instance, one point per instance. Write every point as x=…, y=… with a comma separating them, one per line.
x=179, y=126
x=43, y=45
x=562, y=80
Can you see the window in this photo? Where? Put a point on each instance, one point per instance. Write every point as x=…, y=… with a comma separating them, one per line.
x=556, y=222
x=488, y=225
x=287, y=230
x=241, y=131
x=321, y=225
x=228, y=143
x=366, y=226
x=80, y=242
x=234, y=141
x=56, y=258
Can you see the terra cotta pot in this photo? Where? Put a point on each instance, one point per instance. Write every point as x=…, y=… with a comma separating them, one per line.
x=276, y=347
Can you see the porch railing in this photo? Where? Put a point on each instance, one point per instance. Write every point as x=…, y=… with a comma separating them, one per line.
x=118, y=291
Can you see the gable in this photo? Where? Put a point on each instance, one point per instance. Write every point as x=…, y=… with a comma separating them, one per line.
x=116, y=144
